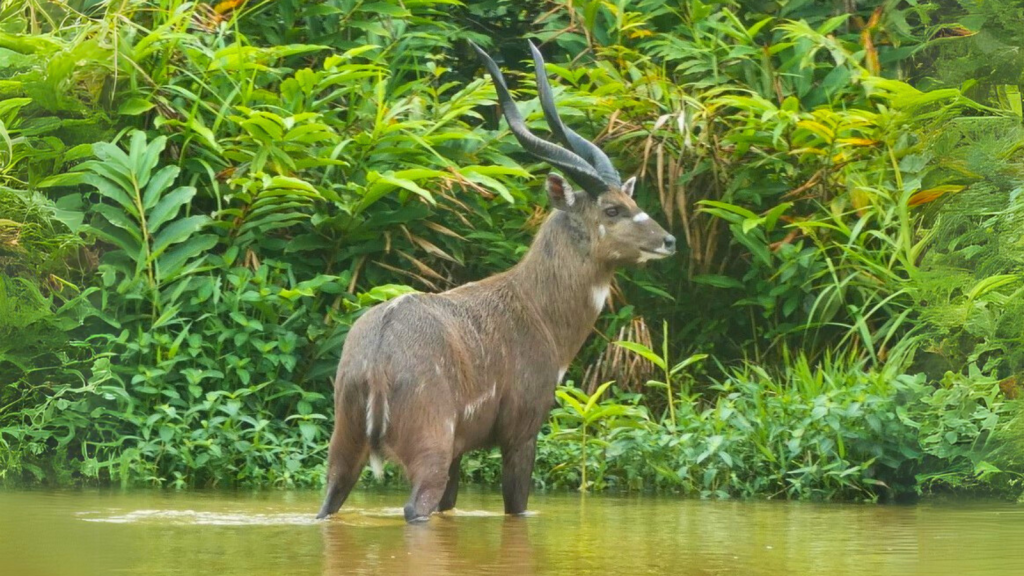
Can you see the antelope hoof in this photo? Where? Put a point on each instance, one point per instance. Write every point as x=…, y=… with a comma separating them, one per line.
x=412, y=518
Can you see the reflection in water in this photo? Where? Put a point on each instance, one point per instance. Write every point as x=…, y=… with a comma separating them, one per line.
x=450, y=544
x=163, y=533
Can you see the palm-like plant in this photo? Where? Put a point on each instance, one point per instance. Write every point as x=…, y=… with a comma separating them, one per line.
x=662, y=361
x=583, y=413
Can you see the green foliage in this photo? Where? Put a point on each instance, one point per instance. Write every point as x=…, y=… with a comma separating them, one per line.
x=835, y=430
x=671, y=373
x=196, y=205
x=591, y=422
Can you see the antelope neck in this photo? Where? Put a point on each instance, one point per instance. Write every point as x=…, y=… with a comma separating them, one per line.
x=561, y=283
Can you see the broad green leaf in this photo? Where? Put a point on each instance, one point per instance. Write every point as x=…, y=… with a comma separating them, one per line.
x=119, y=218
x=691, y=360
x=168, y=206
x=382, y=183
x=171, y=262
x=114, y=158
x=496, y=170
x=149, y=160
x=204, y=133
x=568, y=399
x=265, y=126
x=773, y=215
x=119, y=238
x=113, y=191
x=718, y=281
x=66, y=179
x=290, y=183
x=177, y=231
x=492, y=184
x=157, y=184
x=602, y=412
x=739, y=210
x=137, y=154
x=124, y=184
x=9, y=104
x=596, y=396
x=754, y=243
x=643, y=351
x=989, y=284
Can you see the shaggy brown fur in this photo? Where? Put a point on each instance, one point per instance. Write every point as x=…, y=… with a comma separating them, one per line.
x=425, y=378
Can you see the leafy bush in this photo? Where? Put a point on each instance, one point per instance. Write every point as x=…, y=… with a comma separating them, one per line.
x=831, y=431
x=198, y=202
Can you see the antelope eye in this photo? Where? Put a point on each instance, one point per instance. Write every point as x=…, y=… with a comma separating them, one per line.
x=612, y=212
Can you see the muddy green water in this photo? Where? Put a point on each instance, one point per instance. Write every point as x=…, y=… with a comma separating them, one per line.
x=165, y=533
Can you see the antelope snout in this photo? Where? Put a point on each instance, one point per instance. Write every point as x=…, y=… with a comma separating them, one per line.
x=670, y=244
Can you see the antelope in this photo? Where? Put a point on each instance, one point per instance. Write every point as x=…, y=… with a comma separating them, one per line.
x=426, y=378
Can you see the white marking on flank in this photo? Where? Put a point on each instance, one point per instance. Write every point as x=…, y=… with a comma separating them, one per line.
x=598, y=296
x=369, y=416
x=561, y=373
x=641, y=217
x=475, y=405
x=451, y=426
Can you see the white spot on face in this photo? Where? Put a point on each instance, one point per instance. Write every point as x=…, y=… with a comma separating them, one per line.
x=598, y=296
x=653, y=254
x=641, y=217
x=601, y=231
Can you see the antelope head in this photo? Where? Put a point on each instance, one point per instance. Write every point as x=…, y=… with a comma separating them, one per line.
x=619, y=232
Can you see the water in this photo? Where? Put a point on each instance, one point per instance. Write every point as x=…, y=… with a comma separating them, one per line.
x=151, y=533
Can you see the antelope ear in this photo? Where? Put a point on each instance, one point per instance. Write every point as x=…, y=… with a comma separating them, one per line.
x=560, y=193
x=627, y=186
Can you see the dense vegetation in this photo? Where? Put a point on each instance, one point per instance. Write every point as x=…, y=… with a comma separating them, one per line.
x=197, y=201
